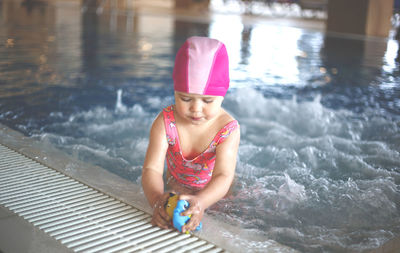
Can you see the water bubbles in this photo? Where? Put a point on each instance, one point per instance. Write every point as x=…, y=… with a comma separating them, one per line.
x=289, y=193
x=326, y=172
x=71, y=167
x=308, y=176
x=291, y=190
x=119, y=106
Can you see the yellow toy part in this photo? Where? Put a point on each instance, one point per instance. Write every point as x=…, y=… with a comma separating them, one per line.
x=174, y=207
x=171, y=204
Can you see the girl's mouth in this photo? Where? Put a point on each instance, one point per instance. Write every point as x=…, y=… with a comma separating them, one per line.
x=196, y=118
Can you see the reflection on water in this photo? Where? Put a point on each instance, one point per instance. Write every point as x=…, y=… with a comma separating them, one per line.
x=319, y=114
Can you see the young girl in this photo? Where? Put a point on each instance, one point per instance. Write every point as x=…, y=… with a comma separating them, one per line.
x=198, y=139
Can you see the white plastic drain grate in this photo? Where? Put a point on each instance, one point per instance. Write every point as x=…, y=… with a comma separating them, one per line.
x=78, y=216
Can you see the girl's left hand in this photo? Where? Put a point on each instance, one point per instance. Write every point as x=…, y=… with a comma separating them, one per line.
x=160, y=217
x=195, y=209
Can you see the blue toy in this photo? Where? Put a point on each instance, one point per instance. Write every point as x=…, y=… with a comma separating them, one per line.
x=174, y=208
x=180, y=220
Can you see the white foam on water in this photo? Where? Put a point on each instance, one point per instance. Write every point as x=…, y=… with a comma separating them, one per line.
x=317, y=176
x=307, y=176
x=114, y=139
x=119, y=106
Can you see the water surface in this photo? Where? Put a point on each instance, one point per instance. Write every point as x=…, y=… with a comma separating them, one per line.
x=319, y=161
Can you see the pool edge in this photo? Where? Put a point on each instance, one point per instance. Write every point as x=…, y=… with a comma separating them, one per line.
x=126, y=192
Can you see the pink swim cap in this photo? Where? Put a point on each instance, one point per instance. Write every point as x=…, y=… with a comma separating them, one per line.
x=202, y=67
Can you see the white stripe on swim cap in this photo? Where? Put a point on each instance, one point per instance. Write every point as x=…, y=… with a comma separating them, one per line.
x=201, y=53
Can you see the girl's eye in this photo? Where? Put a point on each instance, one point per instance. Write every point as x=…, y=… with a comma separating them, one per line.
x=208, y=101
x=185, y=99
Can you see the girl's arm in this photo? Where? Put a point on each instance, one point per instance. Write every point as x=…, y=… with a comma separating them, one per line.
x=152, y=175
x=218, y=187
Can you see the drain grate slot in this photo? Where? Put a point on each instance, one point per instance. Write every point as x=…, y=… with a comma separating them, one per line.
x=80, y=217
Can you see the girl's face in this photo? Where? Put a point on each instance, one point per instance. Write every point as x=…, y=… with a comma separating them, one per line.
x=197, y=109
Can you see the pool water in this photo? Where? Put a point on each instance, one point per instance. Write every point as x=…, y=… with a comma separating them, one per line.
x=319, y=164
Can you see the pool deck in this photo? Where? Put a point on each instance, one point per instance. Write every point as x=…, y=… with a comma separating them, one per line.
x=18, y=235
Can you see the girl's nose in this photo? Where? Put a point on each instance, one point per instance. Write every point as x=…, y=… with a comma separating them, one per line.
x=195, y=106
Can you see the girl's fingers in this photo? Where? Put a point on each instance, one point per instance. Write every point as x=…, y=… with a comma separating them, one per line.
x=160, y=209
x=160, y=217
x=191, y=225
x=165, y=216
x=160, y=222
x=194, y=209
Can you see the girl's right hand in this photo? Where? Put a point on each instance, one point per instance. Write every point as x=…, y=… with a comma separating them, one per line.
x=160, y=217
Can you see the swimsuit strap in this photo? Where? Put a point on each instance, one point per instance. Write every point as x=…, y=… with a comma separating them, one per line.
x=169, y=123
x=224, y=133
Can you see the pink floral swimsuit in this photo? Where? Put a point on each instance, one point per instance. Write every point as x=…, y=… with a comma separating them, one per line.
x=198, y=171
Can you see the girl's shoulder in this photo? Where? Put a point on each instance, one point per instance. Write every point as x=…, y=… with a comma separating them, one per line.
x=226, y=125
x=228, y=130
x=158, y=122
x=225, y=119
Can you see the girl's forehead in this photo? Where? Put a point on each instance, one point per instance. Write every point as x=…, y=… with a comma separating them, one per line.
x=192, y=95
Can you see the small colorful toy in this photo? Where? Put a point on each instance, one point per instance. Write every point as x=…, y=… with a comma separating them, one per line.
x=174, y=208
x=171, y=204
